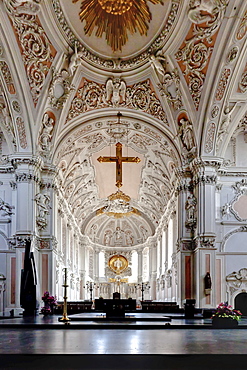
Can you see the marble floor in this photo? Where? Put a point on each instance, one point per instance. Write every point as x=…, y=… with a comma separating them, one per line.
x=121, y=341
x=97, y=348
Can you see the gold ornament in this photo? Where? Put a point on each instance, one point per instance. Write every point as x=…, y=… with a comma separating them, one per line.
x=115, y=18
x=118, y=206
x=118, y=263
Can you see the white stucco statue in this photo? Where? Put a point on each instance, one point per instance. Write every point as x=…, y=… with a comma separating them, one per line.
x=75, y=61
x=196, y=13
x=157, y=62
x=115, y=91
x=19, y=6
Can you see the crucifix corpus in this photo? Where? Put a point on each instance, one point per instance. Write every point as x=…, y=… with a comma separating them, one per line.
x=119, y=159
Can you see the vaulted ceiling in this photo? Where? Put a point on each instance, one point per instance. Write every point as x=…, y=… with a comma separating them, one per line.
x=174, y=69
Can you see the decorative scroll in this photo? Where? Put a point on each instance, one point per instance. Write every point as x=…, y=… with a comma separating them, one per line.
x=194, y=55
x=241, y=32
x=209, y=142
x=94, y=96
x=222, y=84
x=243, y=82
x=21, y=132
x=36, y=50
x=7, y=77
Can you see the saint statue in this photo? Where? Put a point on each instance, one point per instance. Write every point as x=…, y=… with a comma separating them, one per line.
x=207, y=281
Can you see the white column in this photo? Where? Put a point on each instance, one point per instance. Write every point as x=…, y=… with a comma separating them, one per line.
x=82, y=269
x=205, y=179
x=153, y=271
x=140, y=265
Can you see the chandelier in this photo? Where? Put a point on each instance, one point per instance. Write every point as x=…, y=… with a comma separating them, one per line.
x=117, y=130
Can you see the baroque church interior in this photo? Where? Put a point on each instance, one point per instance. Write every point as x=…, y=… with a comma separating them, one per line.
x=123, y=136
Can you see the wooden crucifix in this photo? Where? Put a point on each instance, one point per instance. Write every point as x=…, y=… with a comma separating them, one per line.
x=119, y=159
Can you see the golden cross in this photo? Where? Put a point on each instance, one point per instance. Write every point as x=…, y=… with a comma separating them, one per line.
x=119, y=160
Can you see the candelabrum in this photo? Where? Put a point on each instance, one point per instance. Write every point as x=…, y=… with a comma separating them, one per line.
x=65, y=318
x=90, y=286
x=144, y=287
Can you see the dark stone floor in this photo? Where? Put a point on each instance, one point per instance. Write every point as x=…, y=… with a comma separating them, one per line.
x=39, y=346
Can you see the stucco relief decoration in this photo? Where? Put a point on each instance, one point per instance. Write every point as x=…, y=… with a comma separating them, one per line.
x=1, y=49
x=36, y=50
x=118, y=263
x=237, y=206
x=169, y=81
x=241, y=32
x=46, y=133
x=215, y=111
x=43, y=210
x=114, y=93
x=237, y=280
x=7, y=77
x=243, y=82
x=6, y=121
x=5, y=208
x=209, y=141
x=21, y=132
x=118, y=206
x=190, y=208
x=222, y=84
x=207, y=242
x=44, y=244
x=242, y=229
x=20, y=6
x=232, y=55
x=186, y=134
x=60, y=88
x=115, y=19
x=194, y=55
x=16, y=106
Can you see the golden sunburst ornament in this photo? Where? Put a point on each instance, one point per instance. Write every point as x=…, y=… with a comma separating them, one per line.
x=115, y=18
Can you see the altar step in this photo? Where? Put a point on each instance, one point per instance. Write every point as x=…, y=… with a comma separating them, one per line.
x=90, y=321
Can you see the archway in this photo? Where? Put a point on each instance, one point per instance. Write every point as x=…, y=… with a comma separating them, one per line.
x=240, y=303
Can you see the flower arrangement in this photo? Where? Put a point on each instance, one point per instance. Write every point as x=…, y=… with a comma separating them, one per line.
x=226, y=311
x=49, y=302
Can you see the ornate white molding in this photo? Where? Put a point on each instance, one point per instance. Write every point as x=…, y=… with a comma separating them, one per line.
x=228, y=235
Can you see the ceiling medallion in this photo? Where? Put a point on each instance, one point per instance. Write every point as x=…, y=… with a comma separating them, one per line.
x=115, y=18
x=118, y=206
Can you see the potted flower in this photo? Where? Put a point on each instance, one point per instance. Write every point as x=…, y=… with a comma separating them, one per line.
x=225, y=316
x=49, y=304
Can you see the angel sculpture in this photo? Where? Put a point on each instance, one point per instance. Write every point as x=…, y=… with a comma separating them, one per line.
x=115, y=91
x=157, y=62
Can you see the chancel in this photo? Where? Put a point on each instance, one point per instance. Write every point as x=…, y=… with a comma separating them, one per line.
x=150, y=203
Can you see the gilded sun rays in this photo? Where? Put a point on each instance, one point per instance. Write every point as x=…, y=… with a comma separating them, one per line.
x=115, y=18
